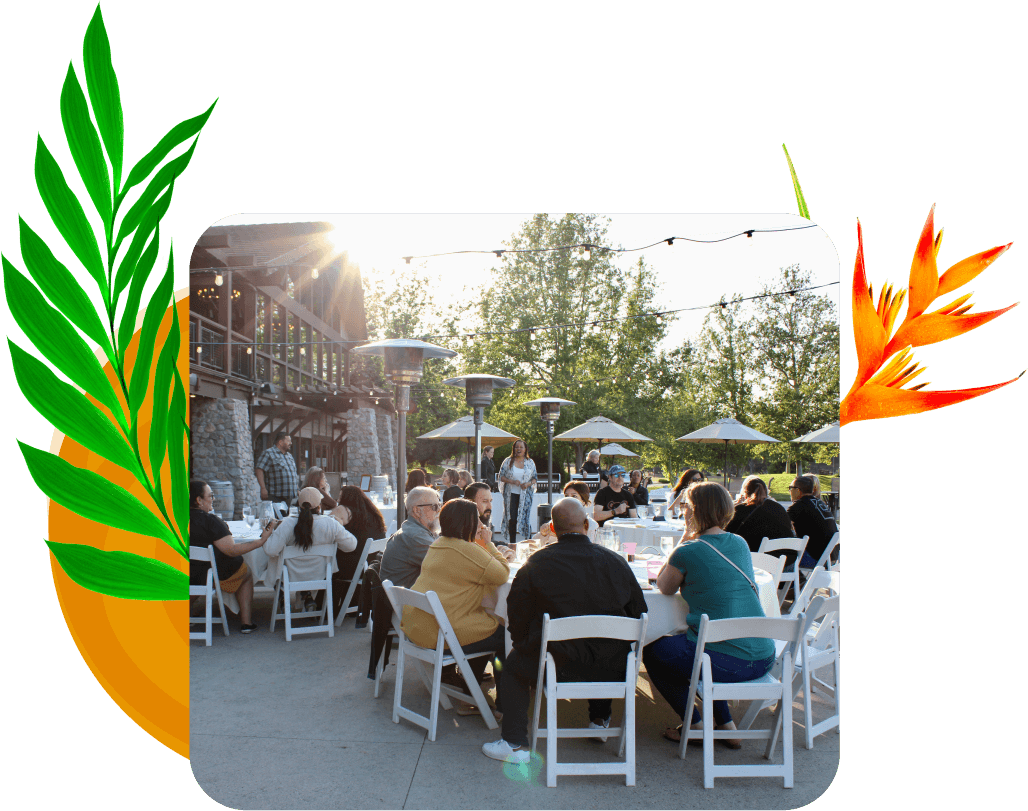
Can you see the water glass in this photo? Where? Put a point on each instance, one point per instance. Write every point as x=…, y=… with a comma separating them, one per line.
x=667, y=543
x=249, y=516
x=642, y=511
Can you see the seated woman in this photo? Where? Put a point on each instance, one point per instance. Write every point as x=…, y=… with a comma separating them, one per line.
x=580, y=491
x=676, y=506
x=757, y=516
x=638, y=489
x=416, y=478
x=362, y=519
x=450, y=484
x=207, y=529
x=305, y=530
x=714, y=571
x=461, y=572
x=464, y=479
x=316, y=478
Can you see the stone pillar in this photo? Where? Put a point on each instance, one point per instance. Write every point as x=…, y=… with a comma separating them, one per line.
x=362, y=444
x=387, y=442
x=222, y=447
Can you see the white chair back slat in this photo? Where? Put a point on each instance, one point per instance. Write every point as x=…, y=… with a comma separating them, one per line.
x=437, y=657
x=587, y=627
x=286, y=586
x=371, y=546
x=774, y=566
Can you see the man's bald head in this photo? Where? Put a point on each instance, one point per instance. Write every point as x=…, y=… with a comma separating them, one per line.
x=568, y=515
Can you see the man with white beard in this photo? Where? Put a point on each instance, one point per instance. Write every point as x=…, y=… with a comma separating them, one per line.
x=405, y=551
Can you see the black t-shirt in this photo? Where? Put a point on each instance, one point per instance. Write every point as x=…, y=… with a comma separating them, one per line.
x=811, y=517
x=767, y=520
x=606, y=498
x=204, y=530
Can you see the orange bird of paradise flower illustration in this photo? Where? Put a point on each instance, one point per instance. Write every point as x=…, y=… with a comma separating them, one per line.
x=885, y=359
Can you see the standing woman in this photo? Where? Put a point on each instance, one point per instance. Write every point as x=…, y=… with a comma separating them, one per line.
x=517, y=474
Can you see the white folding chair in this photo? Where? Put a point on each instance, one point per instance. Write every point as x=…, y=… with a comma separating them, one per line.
x=819, y=579
x=766, y=688
x=209, y=591
x=797, y=545
x=825, y=561
x=586, y=627
x=286, y=586
x=371, y=547
x=280, y=510
x=820, y=650
x=437, y=657
x=770, y=564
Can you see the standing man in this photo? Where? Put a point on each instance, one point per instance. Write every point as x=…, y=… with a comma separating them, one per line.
x=613, y=501
x=561, y=580
x=488, y=467
x=276, y=471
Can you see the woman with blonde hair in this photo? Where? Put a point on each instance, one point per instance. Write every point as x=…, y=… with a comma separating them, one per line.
x=757, y=516
x=714, y=572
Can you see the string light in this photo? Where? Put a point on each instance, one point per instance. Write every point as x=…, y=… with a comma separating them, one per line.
x=314, y=273
x=219, y=280
x=587, y=253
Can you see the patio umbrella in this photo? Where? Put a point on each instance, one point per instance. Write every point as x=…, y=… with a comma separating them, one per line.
x=729, y=431
x=464, y=428
x=827, y=434
x=600, y=430
x=613, y=449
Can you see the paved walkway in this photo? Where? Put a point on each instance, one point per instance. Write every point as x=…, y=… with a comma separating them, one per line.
x=281, y=725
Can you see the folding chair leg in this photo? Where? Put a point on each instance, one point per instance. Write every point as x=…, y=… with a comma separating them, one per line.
x=551, y=731
x=708, y=730
x=209, y=627
x=398, y=689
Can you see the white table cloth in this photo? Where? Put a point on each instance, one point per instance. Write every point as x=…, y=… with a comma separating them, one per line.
x=667, y=612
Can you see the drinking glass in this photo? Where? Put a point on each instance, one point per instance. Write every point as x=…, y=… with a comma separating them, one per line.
x=249, y=516
x=642, y=511
x=264, y=514
x=667, y=543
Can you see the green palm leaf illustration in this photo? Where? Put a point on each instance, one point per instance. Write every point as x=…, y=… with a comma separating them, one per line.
x=104, y=410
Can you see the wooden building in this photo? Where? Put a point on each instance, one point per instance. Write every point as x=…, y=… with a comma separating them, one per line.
x=275, y=311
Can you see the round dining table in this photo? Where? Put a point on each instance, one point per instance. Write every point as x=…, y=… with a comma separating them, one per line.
x=667, y=613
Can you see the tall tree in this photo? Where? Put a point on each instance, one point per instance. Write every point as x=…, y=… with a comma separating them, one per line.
x=795, y=338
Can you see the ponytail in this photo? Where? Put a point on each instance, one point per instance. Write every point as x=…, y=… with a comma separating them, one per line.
x=303, y=532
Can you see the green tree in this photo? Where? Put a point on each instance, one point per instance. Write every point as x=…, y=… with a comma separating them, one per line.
x=795, y=339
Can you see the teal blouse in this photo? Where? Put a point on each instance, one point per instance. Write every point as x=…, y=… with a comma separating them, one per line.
x=712, y=587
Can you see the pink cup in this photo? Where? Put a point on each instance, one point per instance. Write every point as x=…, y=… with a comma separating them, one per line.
x=628, y=548
x=653, y=568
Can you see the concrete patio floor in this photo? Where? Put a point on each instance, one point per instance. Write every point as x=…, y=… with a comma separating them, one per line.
x=282, y=725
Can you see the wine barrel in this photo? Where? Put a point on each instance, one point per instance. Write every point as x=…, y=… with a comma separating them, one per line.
x=224, y=500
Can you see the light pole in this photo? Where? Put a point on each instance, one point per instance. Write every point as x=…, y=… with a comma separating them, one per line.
x=479, y=392
x=549, y=410
x=403, y=358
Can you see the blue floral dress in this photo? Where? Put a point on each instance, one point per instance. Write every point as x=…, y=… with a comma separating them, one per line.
x=525, y=505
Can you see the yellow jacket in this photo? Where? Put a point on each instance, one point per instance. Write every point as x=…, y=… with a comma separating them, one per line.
x=461, y=573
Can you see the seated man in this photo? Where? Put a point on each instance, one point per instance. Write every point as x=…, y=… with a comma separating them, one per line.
x=613, y=501
x=560, y=580
x=811, y=517
x=205, y=528
x=405, y=550
x=482, y=495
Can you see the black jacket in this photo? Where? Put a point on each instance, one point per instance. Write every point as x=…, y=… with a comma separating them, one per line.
x=572, y=578
x=489, y=472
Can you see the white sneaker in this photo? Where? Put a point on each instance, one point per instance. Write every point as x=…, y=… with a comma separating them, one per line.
x=501, y=750
x=604, y=725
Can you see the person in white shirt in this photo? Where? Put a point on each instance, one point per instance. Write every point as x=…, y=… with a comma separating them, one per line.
x=305, y=530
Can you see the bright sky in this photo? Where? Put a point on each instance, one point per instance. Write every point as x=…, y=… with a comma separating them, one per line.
x=690, y=274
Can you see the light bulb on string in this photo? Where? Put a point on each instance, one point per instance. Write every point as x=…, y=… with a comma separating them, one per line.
x=199, y=350
x=314, y=273
x=219, y=280
x=587, y=253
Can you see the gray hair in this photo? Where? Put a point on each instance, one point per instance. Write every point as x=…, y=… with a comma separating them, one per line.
x=594, y=454
x=416, y=495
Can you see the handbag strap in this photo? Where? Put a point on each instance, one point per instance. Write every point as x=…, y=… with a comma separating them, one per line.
x=740, y=571
x=752, y=513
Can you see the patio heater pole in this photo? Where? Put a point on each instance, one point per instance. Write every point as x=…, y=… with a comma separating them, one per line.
x=403, y=360
x=478, y=389
x=549, y=410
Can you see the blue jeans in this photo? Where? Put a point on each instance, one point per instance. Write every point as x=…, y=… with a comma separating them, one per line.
x=669, y=662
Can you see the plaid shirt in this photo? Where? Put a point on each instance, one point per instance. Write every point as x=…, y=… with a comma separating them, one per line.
x=279, y=473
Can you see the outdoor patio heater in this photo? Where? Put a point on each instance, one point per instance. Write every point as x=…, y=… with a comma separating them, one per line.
x=549, y=410
x=478, y=389
x=403, y=358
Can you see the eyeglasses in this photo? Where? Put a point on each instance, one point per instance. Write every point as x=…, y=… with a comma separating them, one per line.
x=435, y=507
x=794, y=487
x=617, y=475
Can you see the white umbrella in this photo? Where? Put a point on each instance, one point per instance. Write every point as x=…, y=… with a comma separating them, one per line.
x=464, y=428
x=600, y=430
x=827, y=434
x=729, y=431
x=613, y=449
